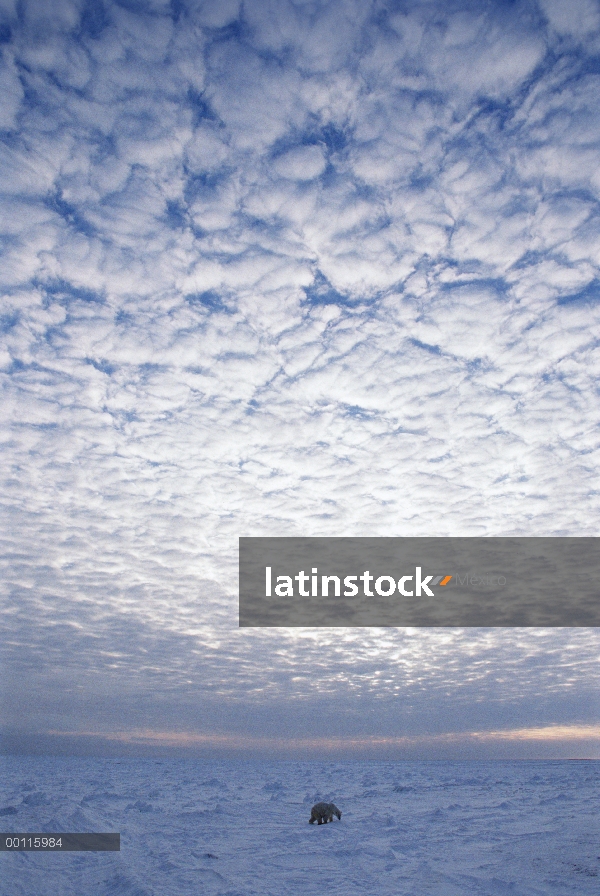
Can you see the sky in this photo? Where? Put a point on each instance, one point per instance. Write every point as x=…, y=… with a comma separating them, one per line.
x=291, y=268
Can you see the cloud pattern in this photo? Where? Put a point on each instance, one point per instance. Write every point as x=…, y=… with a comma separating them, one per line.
x=305, y=269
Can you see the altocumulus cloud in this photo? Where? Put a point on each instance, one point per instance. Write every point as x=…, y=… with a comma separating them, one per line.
x=290, y=268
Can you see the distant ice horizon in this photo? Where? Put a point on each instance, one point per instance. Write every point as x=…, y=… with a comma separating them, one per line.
x=531, y=744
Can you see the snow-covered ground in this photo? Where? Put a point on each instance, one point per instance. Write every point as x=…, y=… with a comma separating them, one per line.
x=237, y=829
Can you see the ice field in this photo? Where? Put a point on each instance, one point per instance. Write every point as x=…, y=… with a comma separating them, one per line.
x=238, y=829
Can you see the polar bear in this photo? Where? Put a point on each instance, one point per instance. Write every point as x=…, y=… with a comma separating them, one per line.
x=323, y=812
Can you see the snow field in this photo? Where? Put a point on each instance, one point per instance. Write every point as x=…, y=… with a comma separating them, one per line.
x=241, y=828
